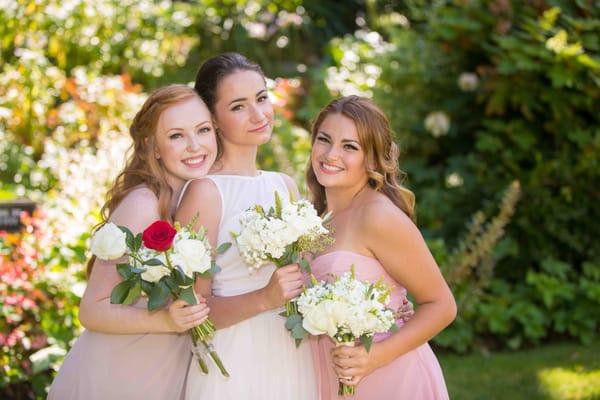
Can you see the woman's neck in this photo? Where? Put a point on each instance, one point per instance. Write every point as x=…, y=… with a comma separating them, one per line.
x=340, y=199
x=237, y=160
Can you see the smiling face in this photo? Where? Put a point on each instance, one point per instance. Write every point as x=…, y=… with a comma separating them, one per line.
x=337, y=157
x=243, y=111
x=185, y=142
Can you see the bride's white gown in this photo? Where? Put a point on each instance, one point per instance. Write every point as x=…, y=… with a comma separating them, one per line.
x=259, y=353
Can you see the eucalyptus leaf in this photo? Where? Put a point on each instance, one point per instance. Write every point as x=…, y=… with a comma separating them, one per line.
x=223, y=247
x=366, y=341
x=305, y=266
x=292, y=321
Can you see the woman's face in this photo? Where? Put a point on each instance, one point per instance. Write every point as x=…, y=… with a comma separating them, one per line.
x=243, y=112
x=186, y=143
x=337, y=157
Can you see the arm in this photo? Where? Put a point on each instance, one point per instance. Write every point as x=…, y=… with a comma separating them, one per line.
x=202, y=198
x=398, y=245
x=137, y=210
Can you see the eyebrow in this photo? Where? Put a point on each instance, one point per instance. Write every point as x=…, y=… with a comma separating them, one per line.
x=244, y=98
x=343, y=140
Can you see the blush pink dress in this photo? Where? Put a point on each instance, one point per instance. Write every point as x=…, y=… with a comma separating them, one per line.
x=415, y=375
x=146, y=366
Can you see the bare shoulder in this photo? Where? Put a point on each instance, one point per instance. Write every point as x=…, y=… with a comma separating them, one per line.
x=137, y=210
x=291, y=184
x=201, y=190
x=379, y=217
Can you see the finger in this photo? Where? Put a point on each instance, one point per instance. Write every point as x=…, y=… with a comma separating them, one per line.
x=289, y=268
x=179, y=304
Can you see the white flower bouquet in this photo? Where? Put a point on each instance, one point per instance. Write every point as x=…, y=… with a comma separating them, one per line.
x=280, y=236
x=163, y=263
x=347, y=310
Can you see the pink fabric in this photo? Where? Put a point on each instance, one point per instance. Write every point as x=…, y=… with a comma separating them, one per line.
x=414, y=376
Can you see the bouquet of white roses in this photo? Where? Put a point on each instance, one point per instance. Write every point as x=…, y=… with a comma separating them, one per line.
x=163, y=264
x=280, y=236
x=347, y=310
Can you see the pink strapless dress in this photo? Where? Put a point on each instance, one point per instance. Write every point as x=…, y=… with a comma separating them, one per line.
x=415, y=375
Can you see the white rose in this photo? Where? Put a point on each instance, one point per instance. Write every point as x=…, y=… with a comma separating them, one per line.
x=192, y=256
x=155, y=273
x=109, y=243
x=318, y=321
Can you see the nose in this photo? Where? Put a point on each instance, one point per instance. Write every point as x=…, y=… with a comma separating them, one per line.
x=256, y=114
x=193, y=143
x=332, y=153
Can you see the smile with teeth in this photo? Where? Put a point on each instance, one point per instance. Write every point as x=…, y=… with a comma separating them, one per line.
x=330, y=168
x=194, y=161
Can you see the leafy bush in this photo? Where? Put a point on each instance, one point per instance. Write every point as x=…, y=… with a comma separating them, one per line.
x=481, y=94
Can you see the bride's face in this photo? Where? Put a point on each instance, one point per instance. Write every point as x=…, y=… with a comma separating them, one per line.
x=337, y=157
x=243, y=111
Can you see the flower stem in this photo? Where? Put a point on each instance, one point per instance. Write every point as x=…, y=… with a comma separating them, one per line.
x=202, y=334
x=201, y=362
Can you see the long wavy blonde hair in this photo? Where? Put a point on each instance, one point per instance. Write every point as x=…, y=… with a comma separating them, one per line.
x=381, y=152
x=142, y=166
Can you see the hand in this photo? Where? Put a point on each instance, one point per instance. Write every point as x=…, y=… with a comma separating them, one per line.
x=285, y=284
x=351, y=364
x=183, y=316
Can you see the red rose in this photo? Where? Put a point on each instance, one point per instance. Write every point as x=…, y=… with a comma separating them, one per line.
x=159, y=236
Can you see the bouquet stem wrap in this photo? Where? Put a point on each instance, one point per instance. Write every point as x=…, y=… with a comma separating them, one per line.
x=343, y=389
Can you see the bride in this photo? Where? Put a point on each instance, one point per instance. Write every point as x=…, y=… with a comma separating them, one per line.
x=262, y=358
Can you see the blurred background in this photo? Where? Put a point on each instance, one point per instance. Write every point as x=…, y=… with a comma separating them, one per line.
x=495, y=105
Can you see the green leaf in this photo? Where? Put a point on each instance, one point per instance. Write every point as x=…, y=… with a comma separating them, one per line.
x=394, y=328
x=120, y=292
x=147, y=287
x=214, y=268
x=298, y=333
x=305, y=266
x=366, y=341
x=179, y=276
x=187, y=294
x=130, y=240
x=138, y=242
x=292, y=321
x=153, y=262
x=223, y=247
x=171, y=284
x=134, y=293
x=124, y=270
x=159, y=296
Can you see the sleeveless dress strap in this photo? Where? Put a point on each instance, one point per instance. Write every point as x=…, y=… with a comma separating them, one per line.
x=185, y=186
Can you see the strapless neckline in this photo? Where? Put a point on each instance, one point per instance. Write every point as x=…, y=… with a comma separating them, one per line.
x=354, y=253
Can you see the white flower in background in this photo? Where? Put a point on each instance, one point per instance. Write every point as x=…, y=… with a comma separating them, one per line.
x=154, y=273
x=108, y=243
x=454, y=180
x=468, y=81
x=437, y=123
x=192, y=255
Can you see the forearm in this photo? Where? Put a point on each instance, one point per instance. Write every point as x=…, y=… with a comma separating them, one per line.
x=428, y=321
x=227, y=311
x=102, y=316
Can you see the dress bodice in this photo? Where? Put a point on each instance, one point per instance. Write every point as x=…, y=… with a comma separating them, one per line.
x=238, y=193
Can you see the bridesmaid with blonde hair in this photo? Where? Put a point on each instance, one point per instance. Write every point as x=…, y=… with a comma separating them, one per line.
x=127, y=352
x=353, y=173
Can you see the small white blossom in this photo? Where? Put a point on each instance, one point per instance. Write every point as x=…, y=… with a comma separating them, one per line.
x=468, y=81
x=437, y=123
